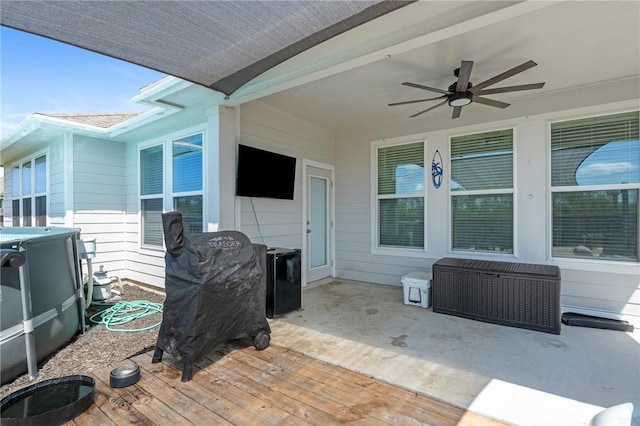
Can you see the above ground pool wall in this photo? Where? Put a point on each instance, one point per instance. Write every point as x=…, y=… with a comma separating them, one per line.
x=51, y=272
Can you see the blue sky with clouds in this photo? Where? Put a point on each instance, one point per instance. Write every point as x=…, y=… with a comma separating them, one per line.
x=42, y=75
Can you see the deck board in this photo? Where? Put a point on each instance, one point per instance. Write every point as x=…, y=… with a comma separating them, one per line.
x=238, y=385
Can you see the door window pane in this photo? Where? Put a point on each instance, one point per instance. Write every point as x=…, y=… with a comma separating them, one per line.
x=318, y=222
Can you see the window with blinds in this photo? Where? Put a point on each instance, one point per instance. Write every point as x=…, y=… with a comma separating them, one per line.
x=482, y=192
x=29, y=192
x=151, y=194
x=400, y=195
x=595, y=181
x=180, y=188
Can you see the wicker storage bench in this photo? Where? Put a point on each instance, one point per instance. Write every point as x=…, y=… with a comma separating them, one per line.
x=514, y=294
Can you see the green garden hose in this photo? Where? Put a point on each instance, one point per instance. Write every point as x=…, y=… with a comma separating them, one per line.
x=122, y=313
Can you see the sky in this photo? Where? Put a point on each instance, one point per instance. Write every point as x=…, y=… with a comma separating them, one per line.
x=42, y=75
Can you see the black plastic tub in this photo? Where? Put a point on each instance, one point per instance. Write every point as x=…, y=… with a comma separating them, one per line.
x=51, y=402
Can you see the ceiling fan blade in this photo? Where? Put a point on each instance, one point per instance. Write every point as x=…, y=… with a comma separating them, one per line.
x=490, y=102
x=429, y=109
x=511, y=89
x=456, y=112
x=416, y=101
x=509, y=73
x=420, y=86
x=463, y=76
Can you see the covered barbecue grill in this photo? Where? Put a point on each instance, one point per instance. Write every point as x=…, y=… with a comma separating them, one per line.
x=215, y=285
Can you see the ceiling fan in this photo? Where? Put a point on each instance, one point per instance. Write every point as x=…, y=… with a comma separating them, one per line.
x=463, y=92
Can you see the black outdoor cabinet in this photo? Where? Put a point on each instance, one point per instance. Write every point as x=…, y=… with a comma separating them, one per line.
x=284, y=292
x=514, y=294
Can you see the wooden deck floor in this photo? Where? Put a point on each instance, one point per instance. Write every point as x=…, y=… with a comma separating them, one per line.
x=241, y=386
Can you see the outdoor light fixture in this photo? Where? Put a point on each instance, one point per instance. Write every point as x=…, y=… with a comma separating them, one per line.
x=459, y=99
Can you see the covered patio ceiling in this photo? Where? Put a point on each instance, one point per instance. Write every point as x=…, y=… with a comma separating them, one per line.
x=588, y=53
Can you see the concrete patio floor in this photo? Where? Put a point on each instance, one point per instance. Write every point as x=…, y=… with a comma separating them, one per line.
x=510, y=374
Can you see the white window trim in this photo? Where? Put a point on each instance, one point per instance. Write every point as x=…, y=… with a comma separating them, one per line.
x=375, y=246
x=168, y=195
x=477, y=254
x=586, y=264
x=33, y=195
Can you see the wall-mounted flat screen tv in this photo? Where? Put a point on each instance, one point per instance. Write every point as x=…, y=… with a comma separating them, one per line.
x=265, y=174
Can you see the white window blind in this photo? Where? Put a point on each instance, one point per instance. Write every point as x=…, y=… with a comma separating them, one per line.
x=151, y=170
x=151, y=192
x=151, y=215
x=482, y=192
x=400, y=195
x=595, y=178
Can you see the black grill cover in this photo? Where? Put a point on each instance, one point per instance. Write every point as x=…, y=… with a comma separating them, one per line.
x=215, y=287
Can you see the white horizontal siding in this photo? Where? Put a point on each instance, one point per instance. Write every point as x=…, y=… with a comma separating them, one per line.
x=610, y=288
x=98, y=199
x=278, y=223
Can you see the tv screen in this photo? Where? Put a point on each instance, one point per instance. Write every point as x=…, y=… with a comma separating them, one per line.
x=265, y=174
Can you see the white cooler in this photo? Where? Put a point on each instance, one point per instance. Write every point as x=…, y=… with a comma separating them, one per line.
x=417, y=289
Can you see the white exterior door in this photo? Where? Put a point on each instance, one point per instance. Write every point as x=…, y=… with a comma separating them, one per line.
x=319, y=222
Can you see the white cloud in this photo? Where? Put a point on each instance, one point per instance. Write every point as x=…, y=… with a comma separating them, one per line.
x=606, y=169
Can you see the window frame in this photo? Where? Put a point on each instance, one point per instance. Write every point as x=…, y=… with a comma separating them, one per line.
x=167, y=195
x=33, y=195
x=376, y=248
x=579, y=261
x=476, y=192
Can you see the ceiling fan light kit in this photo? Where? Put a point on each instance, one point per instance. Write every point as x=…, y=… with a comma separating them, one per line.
x=463, y=92
x=459, y=99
